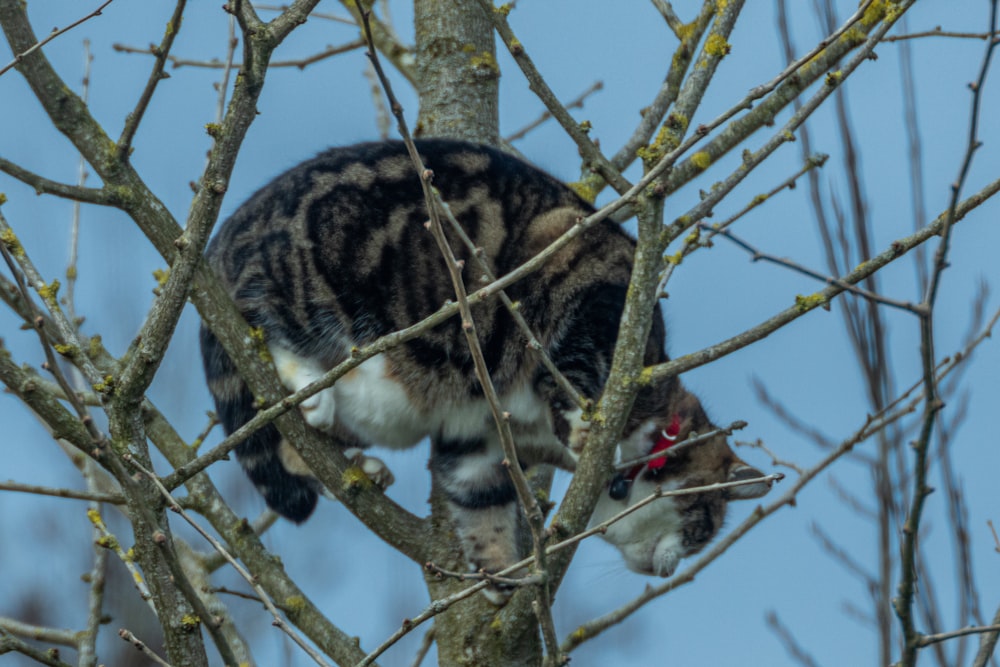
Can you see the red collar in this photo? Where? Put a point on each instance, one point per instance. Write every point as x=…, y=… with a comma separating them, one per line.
x=668, y=438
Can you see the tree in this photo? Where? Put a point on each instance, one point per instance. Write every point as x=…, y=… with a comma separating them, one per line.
x=102, y=403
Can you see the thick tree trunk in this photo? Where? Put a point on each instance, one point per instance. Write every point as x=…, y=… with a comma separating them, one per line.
x=457, y=73
x=474, y=632
x=458, y=84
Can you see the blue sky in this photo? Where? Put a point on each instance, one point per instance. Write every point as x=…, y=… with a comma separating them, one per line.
x=808, y=366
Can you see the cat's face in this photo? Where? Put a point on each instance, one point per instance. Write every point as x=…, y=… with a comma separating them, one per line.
x=655, y=537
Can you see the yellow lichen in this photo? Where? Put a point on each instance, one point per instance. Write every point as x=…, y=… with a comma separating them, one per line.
x=702, y=160
x=354, y=478
x=674, y=259
x=646, y=377
x=107, y=541
x=666, y=140
x=485, y=61
x=259, y=339
x=295, y=604
x=9, y=239
x=833, y=78
x=586, y=192
x=874, y=13
x=94, y=346
x=503, y=10
x=95, y=517
x=49, y=292
x=716, y=45
x=190, y=621
x=677, y=121
x=806, y=303
x=65, y=350
x=106, y=385
x=758, y=200
x=161, y=276
x=853, y=36
x=3, y=199
x=686, y=30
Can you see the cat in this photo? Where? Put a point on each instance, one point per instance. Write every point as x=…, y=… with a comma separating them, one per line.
x=334, y=253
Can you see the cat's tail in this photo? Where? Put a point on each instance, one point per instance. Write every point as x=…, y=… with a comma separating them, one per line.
x=290, y=494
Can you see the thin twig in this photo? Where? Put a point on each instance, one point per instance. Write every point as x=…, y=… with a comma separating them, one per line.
x=938, y=32
x=9, y=642
x=92, y=496
x=575, y=103
x=161, y=52
x=926, y=640
x=74, y=237
x=40, y=633
x=674, y=450
x=482, y=575
x=145, y=650
x=109, y=541
x=593, y=157
x=312, y=15
x=97, y=577
x=695, y=240
x=52, y=35
x=903, y=603
x=675, y=23
x=794, y=649
x=757, y=255
x=299, y=63
x=424, y=648
x=533, y=344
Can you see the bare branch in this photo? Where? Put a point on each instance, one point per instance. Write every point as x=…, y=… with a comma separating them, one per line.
x=52, y=35
x=575, y=103
x=92, y=496
x=145, y=650
x=903, y=603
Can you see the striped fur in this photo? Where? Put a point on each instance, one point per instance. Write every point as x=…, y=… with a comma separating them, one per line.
x=334, y=253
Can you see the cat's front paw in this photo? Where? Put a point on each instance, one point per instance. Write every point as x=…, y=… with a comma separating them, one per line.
x=319, y=410
x=375, y=469
x=579, y=432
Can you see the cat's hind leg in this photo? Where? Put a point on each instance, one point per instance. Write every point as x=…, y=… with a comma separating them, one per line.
x=483, y=505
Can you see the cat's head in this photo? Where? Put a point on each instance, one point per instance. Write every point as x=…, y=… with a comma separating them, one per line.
x=654, y=538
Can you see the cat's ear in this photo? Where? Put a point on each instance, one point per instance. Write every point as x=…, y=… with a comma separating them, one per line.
x=741, y=471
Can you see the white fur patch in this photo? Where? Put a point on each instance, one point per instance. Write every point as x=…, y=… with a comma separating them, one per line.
x=579, y=431
x=375, y=406
x=649, y=538
x=296, y=372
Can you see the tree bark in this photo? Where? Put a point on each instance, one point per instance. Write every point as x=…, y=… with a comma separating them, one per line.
x=458, y=78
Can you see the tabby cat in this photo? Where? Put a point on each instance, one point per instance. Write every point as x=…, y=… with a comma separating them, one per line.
x=334, y=253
